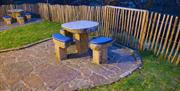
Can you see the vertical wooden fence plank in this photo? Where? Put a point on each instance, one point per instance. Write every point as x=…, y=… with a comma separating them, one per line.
x=176, y=54
x=133, y=29
x=148, y=29
x=178, y=60
x=167, y=35
x=175, y=42
x=125, y=24
x=151, y=31
x=139, y=28
x=122, y=25
x=162, y=37
x=136, y=28
x=117, y=25
x=171, y=37
x=143, y=30
x=130, y=29
x=159, y=33
x=127, y=27
x=156, y=29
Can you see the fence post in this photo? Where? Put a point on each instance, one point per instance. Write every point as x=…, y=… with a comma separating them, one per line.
x=49, y=12
x=143, y=30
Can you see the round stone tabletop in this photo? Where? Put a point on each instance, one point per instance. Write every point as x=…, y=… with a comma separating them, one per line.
x=81, y=26
x=16, y=10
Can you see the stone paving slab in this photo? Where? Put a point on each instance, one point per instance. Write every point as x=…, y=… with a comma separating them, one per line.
x=34, y=69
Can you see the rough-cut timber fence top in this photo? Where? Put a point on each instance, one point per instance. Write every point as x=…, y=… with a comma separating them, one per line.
x=124, y=8
x=138, y=29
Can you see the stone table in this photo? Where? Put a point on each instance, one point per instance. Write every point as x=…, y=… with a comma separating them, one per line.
x=80, y=30
x=15, y=12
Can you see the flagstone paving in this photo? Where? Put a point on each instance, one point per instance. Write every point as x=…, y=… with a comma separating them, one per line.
x=34, y=69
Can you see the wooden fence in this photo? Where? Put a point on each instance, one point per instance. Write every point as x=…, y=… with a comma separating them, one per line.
x=138, y=29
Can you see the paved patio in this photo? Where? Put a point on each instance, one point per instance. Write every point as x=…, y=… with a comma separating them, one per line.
x=15, y=24
x=34, y=69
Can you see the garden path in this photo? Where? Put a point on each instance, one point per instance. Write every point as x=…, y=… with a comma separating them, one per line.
x=34, y=69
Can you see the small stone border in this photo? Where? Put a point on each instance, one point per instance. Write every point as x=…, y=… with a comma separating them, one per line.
x=25, y=46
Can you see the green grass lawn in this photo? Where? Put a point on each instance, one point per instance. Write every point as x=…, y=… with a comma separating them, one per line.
x=27, y=34
x=155, y=75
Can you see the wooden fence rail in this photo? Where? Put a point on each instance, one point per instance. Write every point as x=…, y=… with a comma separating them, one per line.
x=138, y=29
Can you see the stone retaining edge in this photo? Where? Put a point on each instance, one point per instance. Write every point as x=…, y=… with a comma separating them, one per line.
x=122, y=76
x=25, y=46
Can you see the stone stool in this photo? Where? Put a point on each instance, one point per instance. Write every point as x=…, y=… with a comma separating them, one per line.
x=27, y=16
x=20, y=20
x=61, y=43
x=7, y=19
x=99, y=48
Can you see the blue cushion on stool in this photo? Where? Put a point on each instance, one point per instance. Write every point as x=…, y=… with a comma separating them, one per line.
x=6, y=17
x=62, y=38
x=27, y=13
x=101, y=40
